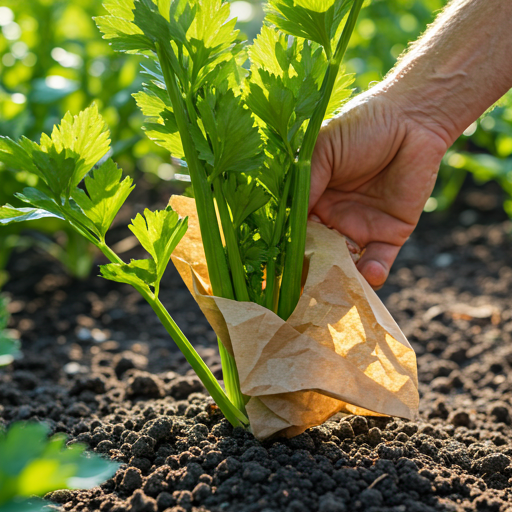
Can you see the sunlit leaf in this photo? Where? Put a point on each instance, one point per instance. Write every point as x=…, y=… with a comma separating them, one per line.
x=235, y=141
x=138, y=273
x=316, y=20
x=159, y=232
x=160, y=125
x=10, y=214
x=106, y=193
x=34, y=465
x=84, y=138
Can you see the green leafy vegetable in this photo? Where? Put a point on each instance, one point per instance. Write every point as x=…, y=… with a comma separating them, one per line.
x=106, y=193
x=159, y=233
x=247, y=136
x=63, y=161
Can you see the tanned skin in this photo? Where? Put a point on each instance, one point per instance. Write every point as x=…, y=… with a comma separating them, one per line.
x=376, y=163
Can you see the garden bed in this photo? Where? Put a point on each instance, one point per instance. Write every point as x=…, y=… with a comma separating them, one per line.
x=99, y=366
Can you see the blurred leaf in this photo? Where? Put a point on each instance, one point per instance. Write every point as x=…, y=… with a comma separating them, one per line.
x=45, y=91
x=33, y=464
x=10, y=214
x=9, y=347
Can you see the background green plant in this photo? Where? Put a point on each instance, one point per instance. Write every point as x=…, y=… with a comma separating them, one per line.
x=33, y=465
x=52, y=59
x=9, y=346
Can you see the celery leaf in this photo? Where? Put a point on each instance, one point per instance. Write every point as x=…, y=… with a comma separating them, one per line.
x=106, y=193
x=160, y=124
x=316, y=20
x=138, y=273
x=159, y=233
x=244, y=196
x=84, y=138
x=235, y=140
x=9, y=214
x=63, y=159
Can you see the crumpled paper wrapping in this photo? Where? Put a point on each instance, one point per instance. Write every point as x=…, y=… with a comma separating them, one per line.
x=340, y=351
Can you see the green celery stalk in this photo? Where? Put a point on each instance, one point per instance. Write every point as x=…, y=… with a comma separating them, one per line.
x=218, y=270
x=233, y=414
x=271, y=289
x=235, y=261
x=295, y=247
x=217, y=266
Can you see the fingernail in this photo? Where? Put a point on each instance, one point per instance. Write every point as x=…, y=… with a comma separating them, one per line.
x=315, y=218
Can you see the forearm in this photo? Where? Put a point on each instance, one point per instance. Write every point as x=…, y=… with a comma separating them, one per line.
x=458, y=68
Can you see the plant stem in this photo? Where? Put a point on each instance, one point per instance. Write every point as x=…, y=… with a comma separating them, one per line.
x=235, y=261
x=217, y=265
x=270, y=288
x=232, y=411
x=218, y=270
x=231, y=378
x=295, y=247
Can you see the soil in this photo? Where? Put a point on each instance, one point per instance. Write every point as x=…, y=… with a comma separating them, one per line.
x=98, y=366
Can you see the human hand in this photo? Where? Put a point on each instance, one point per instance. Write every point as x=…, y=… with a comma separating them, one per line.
x=373, y=169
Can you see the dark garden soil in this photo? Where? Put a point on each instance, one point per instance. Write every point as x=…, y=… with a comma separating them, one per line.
x=98, y=366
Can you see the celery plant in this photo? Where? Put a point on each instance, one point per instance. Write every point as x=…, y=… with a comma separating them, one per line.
x=62, y=161
x=246, y=135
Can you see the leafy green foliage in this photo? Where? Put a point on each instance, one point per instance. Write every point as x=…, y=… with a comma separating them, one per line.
x=90, y=213
x=244, y=196
x=234, y=143
x=106, y=193
x=138, y=273
x=316, y=20
x=34, y=465
x=239, y=131
x=10, y=214
x=9, y=347
x=160, y=125
x=159, y=233
x=62, y=161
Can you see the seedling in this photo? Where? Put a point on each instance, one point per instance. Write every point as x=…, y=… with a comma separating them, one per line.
x=246, y=136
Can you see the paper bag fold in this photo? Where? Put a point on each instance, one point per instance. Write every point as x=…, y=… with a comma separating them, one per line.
x=340, y=351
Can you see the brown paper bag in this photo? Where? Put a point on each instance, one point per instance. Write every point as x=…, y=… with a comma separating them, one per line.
x=340, y=351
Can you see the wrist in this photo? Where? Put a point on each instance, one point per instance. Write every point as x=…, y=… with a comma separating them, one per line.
x=428, y=103
x=458, y=69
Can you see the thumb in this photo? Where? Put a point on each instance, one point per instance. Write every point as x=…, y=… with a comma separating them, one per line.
x=376, y=262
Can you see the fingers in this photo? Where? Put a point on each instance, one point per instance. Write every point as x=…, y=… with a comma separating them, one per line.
x=376, y=262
